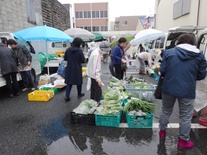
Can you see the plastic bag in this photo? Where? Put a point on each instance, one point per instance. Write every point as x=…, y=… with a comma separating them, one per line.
x=61, y=69
x=88, y=85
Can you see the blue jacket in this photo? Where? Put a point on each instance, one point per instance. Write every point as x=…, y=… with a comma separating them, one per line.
x=117, y=54
x=181, y=67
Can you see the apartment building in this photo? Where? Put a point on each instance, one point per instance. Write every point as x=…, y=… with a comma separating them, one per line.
x=174, y=13
x=91, y=16
x=133, y=23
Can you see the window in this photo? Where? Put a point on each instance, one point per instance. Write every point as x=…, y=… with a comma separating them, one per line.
x=95, y=14
x=124, y=22
x=203, y=45
x=87, y=28
x=181, y=8
x=103, y=14
x=58, y=44
x=104, y=28
x=159, y=43
x=95, y=28
x=30, y=11
x=87, y=14
x=78, y=14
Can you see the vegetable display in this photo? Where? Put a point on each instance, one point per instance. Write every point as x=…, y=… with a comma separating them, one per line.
x=136, y=104
x=86, y=107
x=111, y=103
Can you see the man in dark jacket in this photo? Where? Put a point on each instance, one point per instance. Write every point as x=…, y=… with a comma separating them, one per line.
x=9, y=70
x=73, y=72
x=24, y=59
x=181, y=67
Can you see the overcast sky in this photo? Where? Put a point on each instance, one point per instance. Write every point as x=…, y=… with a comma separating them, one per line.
x=122, y=7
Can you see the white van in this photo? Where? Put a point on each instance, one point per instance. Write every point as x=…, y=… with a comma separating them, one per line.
x=202, y=42
x=36, y=69
x=168, y=40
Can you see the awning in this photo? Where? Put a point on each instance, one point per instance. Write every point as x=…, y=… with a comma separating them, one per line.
x=99, y=37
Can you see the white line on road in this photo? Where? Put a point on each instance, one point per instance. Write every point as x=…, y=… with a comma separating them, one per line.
x=170, y=125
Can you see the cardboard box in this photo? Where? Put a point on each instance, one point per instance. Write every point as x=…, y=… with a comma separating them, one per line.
x=43, y=82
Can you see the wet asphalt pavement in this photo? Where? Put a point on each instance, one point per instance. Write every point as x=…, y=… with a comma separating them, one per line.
x=44, y=128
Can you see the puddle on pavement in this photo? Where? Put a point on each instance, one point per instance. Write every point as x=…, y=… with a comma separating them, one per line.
x=64, y=138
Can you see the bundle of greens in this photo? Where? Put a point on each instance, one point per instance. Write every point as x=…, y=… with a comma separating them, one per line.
x=86, y=107
x=135, y=80
x=111, y=103
x=136, y=104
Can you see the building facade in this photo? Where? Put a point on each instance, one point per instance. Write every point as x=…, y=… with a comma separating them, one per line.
x=55, y=14
x=19, y=14
x=133, y=23
x=174, y=13
x=91, y=16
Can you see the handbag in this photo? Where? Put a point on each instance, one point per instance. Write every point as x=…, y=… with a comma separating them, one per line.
x=158, y=90
x=123, y=65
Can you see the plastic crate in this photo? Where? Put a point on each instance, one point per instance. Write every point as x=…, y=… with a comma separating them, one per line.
x=108, y=120
x=55, y=90
x=40, y=95
x=84, y=119
x=135, y=121
x=145, y=93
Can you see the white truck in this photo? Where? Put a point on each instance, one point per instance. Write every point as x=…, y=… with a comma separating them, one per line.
x=36, y=69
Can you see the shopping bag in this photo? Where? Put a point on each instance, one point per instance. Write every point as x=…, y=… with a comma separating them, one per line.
x=61, y=69
x=158, y=90
x=88, y=85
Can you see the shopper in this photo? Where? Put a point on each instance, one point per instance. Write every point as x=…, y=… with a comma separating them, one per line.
x=24, y=60
x=8, y=68
x=73, y=71
x=92, y=47
x=140, y=49
x=142, y=57
x=118, y=57
x=181, y=67
x=94, y=72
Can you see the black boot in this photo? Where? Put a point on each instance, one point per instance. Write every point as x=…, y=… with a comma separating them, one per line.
x=81, y=95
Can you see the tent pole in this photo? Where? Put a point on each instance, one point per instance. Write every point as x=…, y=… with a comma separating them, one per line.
x=48, y=72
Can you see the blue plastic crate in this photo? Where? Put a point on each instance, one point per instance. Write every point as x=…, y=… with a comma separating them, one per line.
x=135, y=121
x=108, y=120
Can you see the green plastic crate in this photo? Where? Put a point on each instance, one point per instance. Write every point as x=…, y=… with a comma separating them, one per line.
x=55, y=90
x=135, y=121
x=108, y=120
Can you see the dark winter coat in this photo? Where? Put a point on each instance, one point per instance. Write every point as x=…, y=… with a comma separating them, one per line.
x=73, y=72
x=117, y=55
x=181, y=67
x=8, y=61
x=23, y=55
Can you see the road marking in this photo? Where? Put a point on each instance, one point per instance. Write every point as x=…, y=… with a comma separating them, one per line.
x=170, y=125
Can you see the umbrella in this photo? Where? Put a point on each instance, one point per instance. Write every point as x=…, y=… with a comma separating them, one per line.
x=115, y=41
x=146, y=35
x=42, y=33
x=45, y=33
x=78, y=32
x=99, y=37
